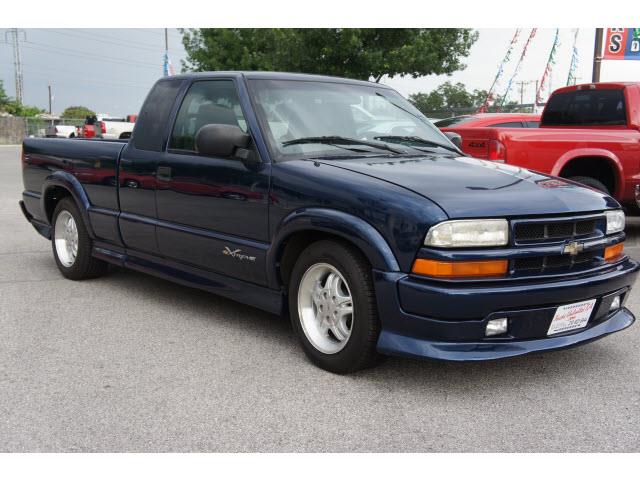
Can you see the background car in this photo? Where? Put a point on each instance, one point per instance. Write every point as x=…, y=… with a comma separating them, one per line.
x=495, y=120
x=476, y=131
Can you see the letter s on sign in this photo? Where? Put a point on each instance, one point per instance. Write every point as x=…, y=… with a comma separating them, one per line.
x=615, y=43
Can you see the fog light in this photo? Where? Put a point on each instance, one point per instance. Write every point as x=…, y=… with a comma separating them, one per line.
x=497, y=326
x=615, y=303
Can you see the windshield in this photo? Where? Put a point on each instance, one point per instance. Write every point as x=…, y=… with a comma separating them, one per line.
x=290, y=111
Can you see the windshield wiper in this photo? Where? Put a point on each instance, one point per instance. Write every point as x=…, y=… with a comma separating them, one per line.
x=338, y=140
x=414, y=139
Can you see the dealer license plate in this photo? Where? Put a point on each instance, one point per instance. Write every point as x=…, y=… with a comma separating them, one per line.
x=571, y=317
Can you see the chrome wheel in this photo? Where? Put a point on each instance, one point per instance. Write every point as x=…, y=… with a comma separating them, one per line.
x=66, y=238
x=325, y=308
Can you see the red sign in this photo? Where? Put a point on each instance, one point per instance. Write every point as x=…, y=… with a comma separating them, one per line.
x=622, y=44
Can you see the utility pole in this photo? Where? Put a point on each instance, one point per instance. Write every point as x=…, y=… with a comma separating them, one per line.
x=524, y=83
x=166, y=40
x=597, y=56
x=15, y=33
x=50, y=98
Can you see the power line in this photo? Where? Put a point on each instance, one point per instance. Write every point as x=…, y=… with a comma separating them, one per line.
x=93, y=82
x=86, y=56
x=149, y=30
x=105, y=39
x=82, y=78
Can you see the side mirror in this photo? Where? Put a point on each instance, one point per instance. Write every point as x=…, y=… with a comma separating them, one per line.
x=454, y=138
x=219, y=140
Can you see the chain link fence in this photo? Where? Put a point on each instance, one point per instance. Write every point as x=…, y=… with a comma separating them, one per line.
x=455, y=112
x=37, y=127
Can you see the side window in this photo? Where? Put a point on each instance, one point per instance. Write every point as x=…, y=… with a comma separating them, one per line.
x=507, y=125
x=533, y=124
x=210, y=101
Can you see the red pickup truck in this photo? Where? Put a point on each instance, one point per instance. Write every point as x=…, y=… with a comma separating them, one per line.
x=588, y=133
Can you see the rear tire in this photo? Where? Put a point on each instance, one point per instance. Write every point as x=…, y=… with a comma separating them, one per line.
x=591, y=182
x=72, y=245
x=333, y=278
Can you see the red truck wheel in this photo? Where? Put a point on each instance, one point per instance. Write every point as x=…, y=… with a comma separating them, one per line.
x=591, y=182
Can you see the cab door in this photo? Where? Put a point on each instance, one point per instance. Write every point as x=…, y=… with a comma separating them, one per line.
x=212, y=211
x=138, y=165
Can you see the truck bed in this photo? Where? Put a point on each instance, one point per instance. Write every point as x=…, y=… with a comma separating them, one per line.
x=92, y=163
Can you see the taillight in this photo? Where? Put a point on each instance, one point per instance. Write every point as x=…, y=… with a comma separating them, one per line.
x=103, y=127
x=88, y=131
x=497, y=151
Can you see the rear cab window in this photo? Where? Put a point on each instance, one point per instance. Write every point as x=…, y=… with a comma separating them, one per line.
x=507, y=125
x=450, y=122
x=149, y=131
x=586, y=108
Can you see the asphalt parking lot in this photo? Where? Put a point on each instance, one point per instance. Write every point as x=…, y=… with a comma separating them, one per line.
x=129, y=362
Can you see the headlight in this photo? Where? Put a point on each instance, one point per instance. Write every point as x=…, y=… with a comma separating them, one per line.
x=468, y=233
x=615, y=221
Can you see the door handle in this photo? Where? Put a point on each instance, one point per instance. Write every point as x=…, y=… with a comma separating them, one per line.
x=164, y=173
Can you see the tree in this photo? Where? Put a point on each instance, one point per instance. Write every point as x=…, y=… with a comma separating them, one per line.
x=448, y=96
x=4, y=99
x=77, y=112
x=20, y=110
x=13, y=107
x=361, y=53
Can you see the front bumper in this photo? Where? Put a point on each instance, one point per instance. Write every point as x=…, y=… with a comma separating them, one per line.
x=447, y=321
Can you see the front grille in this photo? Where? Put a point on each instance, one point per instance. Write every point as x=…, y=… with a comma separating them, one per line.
x=533, y=265
x=558, y=230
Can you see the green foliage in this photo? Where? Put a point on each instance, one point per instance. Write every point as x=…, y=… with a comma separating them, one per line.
x=448, y=96
x=77, y=112
x=13, y=107
x=19, y=110
x=361, y=53
x=4, y=100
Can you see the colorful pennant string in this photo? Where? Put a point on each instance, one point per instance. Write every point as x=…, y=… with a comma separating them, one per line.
x=517, y=69
x=571, y=78
x=547, y=70
x=505, y=60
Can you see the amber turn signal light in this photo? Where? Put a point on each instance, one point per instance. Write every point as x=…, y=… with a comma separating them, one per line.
x=613, y=252
x=460, y=269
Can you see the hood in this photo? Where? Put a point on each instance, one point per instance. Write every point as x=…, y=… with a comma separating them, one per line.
x=467, y=187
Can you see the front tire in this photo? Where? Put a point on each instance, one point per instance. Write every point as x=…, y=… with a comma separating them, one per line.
x=333, y=308
x=72, y=245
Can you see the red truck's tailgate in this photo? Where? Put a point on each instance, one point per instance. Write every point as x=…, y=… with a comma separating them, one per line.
x=475, y=141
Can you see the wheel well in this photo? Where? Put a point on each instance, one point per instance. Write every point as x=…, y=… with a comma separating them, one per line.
x=293, y=246
x=51, y=199
x=124, y=135
x=595, y=167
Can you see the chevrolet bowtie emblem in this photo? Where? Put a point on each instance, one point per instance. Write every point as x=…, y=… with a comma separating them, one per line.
x=573, y=248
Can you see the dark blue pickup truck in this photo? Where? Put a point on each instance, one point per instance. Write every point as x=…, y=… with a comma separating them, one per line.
x=338, y=202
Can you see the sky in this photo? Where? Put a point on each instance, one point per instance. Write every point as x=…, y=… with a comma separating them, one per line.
x=111, y=70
